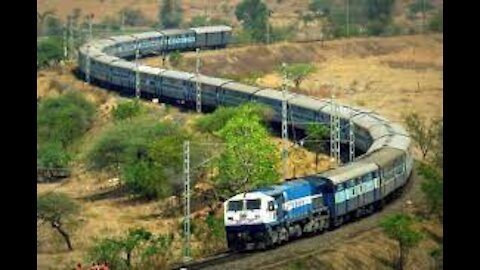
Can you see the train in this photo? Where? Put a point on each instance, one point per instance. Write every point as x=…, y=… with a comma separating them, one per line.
x=273, y=215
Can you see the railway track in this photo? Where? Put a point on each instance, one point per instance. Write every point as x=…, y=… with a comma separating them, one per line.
x=303, y=247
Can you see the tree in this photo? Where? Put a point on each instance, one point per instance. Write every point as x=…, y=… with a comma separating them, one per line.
x=316, y=133
x=65, y=118
x=298, y=72
x=417, y=6
x=253, y=15
x=399, y=228
x=432, y=188
x=52, y=155
x=41, y=17
x=133, y=17
x=320, y=7
x=215, y=121
x=57, y=209
x=423, y=134
x=49, y=50
x=199, y=21
x=119, y=252
x=127, y=110
x=170, y=14
x=436, y=22
x=249, y=159
x=53, y=26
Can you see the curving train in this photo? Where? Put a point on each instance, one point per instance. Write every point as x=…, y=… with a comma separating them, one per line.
x=268, y=216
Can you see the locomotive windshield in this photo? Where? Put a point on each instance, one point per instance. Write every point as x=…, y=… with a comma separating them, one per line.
x=253, y=204
x=235, y=205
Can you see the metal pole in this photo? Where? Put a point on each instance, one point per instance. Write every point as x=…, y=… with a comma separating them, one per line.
x=334, y=130
x=87, y=64
x=351, y=141
x=137, y=71
x=197, y=83
x=186, y=222
x=65, y=47
x=284, y=122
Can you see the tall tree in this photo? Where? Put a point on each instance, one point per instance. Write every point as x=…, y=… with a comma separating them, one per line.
x=253, y=14
x=170, y=14
x=298, y=72
x=399, y=227
x=250, y=158
x=423, y=134
x=57, y=209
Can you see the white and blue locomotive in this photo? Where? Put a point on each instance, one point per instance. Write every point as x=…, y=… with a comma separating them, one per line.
x=269, y=216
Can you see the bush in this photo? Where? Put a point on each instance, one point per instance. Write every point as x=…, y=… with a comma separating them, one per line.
x=436, y=22
x=64, y=119
x=134, y=17
x=121, y=143
x=174, y=58
x=127, y=110
x=215, y=121
x=49, y=50
x=52, y=155
x=138, y=249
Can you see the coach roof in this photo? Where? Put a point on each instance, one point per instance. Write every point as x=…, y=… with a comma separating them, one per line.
x=349, y=171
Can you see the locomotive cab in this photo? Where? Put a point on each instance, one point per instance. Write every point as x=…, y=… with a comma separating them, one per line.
x=247, y=219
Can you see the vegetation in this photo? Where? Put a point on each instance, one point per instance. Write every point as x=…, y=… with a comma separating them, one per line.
x=61, y=121
x=64, y=119
x=146, y=154
x=432, y=188
x=436, y=22
x=320, y=7
x=417, y=6
x=298, y=72
x=170, y=14
x=52, y=155
x=426, y=136
x=134, y=17
x=317, y=134
x=127, y=110
x=214, y=122
x=253, y=15
x=49, y=51
x=399, y=228
x=57, y=209
x=138, y=249
x=174, y=58
x=250, y=158
x=211, y=231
